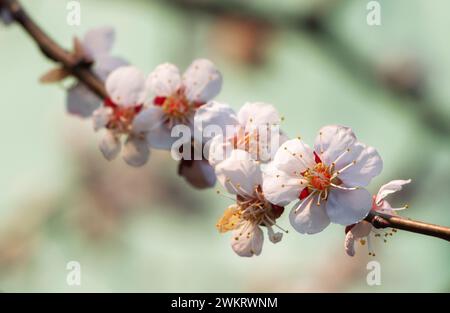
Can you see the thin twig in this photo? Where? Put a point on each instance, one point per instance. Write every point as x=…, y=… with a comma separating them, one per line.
x=54, y=51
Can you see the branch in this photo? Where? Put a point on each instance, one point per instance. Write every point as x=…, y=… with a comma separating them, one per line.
x=52, y=50
x=82, y=72
x=380, y=220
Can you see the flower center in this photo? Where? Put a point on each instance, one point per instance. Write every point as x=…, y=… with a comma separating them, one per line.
x=177, y=107
x=319, y=177
x=122, y=117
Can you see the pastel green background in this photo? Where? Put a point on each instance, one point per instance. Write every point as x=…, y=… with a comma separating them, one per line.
x=147, y=230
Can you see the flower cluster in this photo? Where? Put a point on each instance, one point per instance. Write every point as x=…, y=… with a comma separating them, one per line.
x=246, y=151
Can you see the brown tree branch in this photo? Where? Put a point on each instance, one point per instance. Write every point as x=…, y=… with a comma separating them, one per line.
x=380, y=220
x=52, y=50
x=82, y=72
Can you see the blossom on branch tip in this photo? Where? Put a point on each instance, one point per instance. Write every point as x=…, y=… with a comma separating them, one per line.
x=177, y=97
x=124, y=114
x=328, y=180
x=241, y=176
x=361, y=231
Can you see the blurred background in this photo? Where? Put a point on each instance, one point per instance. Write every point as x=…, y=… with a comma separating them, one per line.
x=317, y=61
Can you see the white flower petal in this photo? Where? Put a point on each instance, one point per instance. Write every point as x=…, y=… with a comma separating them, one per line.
x=361, y=229
x=239, y=174
x=308, y=218
x=160, y=137
x=165, y=80
x=202, y=81
x=389, y=188
x=247, y=240
x=105, y=64
x=136, y=151
x=213, y=114
x=368, y=164
x=332, y=141
x=258, y=113
x=294, y=156
x=100, y=117
x=126, y=86
x=279, y=187
x=348, y=207
x=81, y=101
x=98, y=41
x=218, y=150
x=110, y=146
x=148, y=119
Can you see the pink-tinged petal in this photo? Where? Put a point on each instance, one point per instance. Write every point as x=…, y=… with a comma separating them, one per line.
x=126, y=86
x=105, y=64
x=239, y=174
x=367, y=165
x=98, y=41
x=280, y=188
x=361, y=229
x=258, y=113
x=100, y=117
x=349, y=244
x=307, y=217
x=215, y=115
x=202, y=81
x=110, y=145
x=81, y=101
x=348, y=207
x=147, y=120
x=136, y=151
x=165, y=80
x=294, y=156
x=332, y=141
x=198, y=173
x=389, y=188
x=247, y=240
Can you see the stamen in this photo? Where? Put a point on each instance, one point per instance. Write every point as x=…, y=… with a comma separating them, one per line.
x=306, y=199
x=344, y=188
x=340, y=156
x=344, y=169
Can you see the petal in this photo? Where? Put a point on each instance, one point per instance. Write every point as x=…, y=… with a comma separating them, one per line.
x=247, y=240
x=110, y=146
x=390, y=187
x=126, y=86
x=361, y=229
x=160, y=137
x=147, y=120
x=202, y=81
x=349, y=244
x=218, y=149
x=214, y=114
x=279, y=187
x=308, y=218
x=198, y=173
x=136, y=151
x=98, y=41
x=165, y=80
x=100, y=117
x=239, y=174
x=81, y=101
x=367, y=165
x=332, y=141
x=294, y=156
x=258, y=113
x=348, y=207
x=105, y=64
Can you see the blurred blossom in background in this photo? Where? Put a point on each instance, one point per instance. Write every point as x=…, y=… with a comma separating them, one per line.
x=145, y=229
